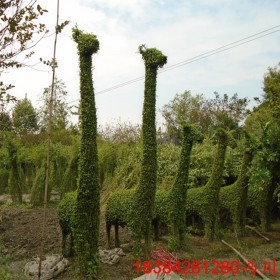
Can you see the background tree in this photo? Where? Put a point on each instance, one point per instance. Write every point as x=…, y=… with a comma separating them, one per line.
x=185, y=108
x=18, y=29
x=59, y=106
x=24, y=117
x=121, y=132
x=5, y=121
x=222, y=111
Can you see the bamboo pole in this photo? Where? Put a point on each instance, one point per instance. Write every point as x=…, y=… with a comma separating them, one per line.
x=245, y=260
x=53, y=65
x=258, y=233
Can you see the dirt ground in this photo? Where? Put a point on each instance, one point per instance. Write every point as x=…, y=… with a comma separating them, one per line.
x=21, y=230
x=20, y=241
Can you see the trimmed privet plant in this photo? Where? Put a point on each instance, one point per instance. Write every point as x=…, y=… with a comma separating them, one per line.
x=178, y=191
x=168, y=208
x=120, y=205
x=38, y=186
x=204, y=201
x=119, y=212
x=145, y=193
x=264, y=177
x=69, y=182
x=86, y=231
x=16, y=174
x=135, y=207
x=260, y=204
x=57, y=168
x=233, y=198
x=83, y=221
x=66, y=210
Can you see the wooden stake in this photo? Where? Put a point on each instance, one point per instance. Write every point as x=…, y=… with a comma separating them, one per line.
x=258, y=233
x=245, y=260
x=53, y=65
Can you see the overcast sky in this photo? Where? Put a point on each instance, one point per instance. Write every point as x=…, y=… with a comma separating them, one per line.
x=180, y=29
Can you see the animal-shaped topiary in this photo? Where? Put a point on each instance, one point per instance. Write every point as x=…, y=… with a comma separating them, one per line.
x=120, y=205
x=84, y=223
x=261, y=202
x=119, y=212
x=234, y=197
x=178, y=191
x=204, y=201
x=65, y=212
x=265, y=178
x=145, y=192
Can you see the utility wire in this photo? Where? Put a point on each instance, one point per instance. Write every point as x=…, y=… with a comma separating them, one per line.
x=205, y=55
x=223, y=48
x=196, y=58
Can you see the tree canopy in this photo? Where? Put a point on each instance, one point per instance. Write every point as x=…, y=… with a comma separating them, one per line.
x=207, y=113
x=19, y=28
x=24, y=117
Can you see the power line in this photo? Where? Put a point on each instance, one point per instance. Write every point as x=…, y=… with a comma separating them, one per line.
x=223, y=48
x=213, y=53
x=196, y=58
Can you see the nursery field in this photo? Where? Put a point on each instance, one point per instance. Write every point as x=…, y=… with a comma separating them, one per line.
x=20, y=230
x=196, y=188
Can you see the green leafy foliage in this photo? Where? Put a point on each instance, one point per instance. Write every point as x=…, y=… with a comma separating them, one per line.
x=16, y=174
x=145, y=193
x=66, y=218
x=59, y=164
x=264, y=122
x=24, y=117
x=234, y=197
x=204, y=201
x=70, y=176
x=5, y=122
x=223, y=111
x=11, y=166
x=179, y=188
x=86, y=233
x=20, y=27
x=119, y=208
x=60, y=112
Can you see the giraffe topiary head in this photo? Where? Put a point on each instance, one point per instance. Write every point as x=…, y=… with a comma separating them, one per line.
x=88, y=43
x=193, y=131
x=152, y=57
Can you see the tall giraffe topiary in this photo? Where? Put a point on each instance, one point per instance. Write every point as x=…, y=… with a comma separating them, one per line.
x=87, y=210
x=120, y=205
x=145, y=193
x=16, y=173
x=204, y=201
x=234, y=196
x=178, y=192
x=212, y=188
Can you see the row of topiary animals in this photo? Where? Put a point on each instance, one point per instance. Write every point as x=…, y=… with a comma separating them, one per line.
x=206, y=202
x=140, y=207
x=72, y=209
